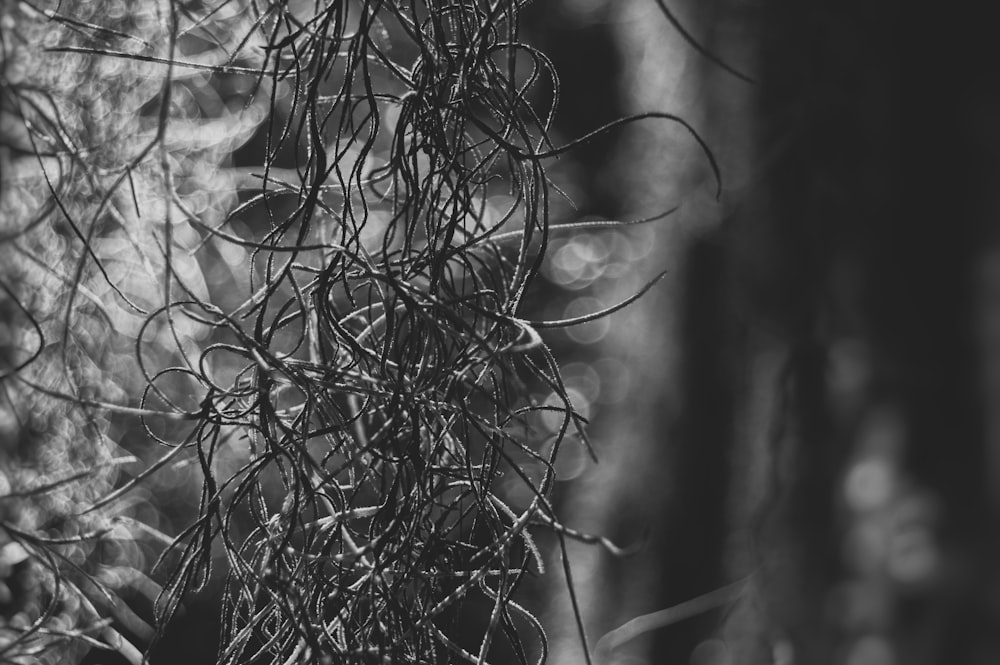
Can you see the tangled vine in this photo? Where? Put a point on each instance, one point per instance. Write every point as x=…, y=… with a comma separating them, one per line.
x=331, y=342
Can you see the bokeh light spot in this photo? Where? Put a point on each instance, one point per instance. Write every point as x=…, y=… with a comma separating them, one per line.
x=870, y=484
x=591, y=332
x=711, y=652
x=871, y=650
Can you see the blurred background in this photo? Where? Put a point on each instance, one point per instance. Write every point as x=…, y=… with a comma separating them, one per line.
x=800, y=420
x=808, y=403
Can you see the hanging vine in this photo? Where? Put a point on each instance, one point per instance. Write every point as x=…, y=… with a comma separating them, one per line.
x=328, y=345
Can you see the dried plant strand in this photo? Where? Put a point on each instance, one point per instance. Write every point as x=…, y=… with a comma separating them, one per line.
x=330, y=342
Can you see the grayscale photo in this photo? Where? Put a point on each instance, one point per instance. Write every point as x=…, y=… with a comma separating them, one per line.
x=499, y=332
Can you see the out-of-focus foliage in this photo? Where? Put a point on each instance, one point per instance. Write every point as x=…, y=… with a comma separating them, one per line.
x=76, y=151
x=319, y=349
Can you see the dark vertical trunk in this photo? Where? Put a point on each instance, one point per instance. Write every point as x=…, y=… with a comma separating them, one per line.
x=825, y=102
x=924, y=315
x=803, y=116
x=874, y=229
x=695, y=515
